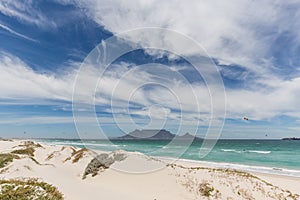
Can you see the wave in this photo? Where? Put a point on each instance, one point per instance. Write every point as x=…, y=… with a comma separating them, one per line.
x=260, y=152
x=246, y=151
x=170, y=149
x=82, y=144
x=231, y=150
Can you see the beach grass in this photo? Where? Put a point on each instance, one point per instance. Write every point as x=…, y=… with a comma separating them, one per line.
x=27, y=151
x=6, y=158
x=30, y=189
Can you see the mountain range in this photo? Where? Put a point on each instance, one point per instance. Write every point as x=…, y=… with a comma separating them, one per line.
x=155, y=134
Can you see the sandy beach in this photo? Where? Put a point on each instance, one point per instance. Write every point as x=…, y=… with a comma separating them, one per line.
x=86, y=174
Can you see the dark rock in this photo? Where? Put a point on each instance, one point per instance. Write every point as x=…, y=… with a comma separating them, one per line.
x=101, y=162
x=119, y=156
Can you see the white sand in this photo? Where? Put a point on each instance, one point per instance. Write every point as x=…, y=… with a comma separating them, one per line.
x=134, y=178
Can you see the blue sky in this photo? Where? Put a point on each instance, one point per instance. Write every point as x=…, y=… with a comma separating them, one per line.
x=255, y=46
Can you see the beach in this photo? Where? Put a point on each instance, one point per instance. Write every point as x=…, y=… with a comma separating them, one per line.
x=132, y=175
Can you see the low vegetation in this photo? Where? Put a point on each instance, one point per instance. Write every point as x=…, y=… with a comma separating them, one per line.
x=50, y=156
x=28, y=144
x=30, y=189
x=229, y=178
x=6, y=140
x=28, y=148
x=78, y=154
x=206, y=189
x=6, y=158
x=27, y=151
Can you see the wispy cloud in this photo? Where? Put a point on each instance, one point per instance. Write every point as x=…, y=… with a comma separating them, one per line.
x=25, y=11
x=243, y=35
x=20, y=82
x=16, y=33
x=247, y=33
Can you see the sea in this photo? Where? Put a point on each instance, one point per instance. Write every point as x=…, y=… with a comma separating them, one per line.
x=267, y=156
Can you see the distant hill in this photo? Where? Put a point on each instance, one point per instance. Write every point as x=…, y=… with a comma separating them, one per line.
x=155, y=134
x=292, y=138
x=188, y=136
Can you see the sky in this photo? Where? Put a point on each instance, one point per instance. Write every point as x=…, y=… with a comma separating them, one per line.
x=252, y=46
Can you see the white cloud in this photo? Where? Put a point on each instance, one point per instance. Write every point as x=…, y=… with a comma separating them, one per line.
x=281, y=99
x=19, y=81
x=21, y=84
x=239, y=32
x=25, y=11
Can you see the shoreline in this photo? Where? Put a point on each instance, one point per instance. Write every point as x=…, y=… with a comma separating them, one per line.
x=214, y=164
x=247, y=168
x=286, y=181
x=268, y=173
x=65, y=167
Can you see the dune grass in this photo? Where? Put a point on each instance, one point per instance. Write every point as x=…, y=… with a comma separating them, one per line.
x=79, y=154
x=30, y=189
x=27, y=151
x=6, y=158
x=30, y=144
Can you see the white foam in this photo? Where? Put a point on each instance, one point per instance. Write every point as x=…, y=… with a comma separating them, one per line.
x=231, y=150
x=80, y=144
x=260, y=152
x=246, y=151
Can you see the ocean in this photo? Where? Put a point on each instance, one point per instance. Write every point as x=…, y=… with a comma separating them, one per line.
x=269, y=156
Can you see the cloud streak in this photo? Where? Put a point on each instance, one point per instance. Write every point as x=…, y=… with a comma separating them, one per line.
x=245, y=33
x=243, y=36
x=22, y=84
x=25, y=11
x=16, y=33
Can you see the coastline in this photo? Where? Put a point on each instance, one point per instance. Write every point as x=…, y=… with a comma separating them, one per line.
x=63, y=166
x=247, y=168
x=209, y=163
x=289, y=182
x=275, y=154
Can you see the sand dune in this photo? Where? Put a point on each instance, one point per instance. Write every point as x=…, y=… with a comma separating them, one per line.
x=131, y=175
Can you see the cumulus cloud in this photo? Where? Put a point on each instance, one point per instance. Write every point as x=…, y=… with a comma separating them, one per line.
x=240, y=32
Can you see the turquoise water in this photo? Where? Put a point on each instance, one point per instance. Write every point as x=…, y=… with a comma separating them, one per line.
x=274, y=156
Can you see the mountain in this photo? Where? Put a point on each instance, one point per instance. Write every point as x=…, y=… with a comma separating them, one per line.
x=155, y=134
x=148, y=134
x=188, y=136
